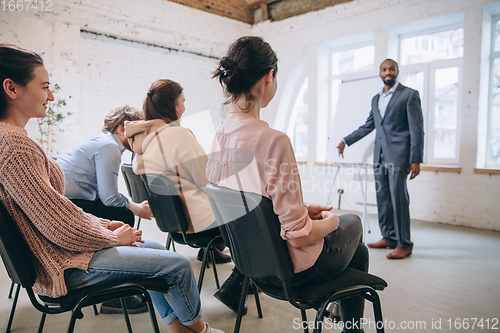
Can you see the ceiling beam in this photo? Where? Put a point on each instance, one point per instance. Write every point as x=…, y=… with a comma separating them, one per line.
x=260, y=3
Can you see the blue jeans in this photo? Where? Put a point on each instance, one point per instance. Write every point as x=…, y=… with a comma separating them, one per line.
x=151, y=260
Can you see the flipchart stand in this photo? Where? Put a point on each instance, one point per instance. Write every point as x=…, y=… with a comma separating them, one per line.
x=364, y=183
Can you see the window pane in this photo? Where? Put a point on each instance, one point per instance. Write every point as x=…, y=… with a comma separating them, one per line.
x=354, y=60
x=497, y=35
x=335, y=97
x=442, y=45
x=414, y=80
x=297, y=126
x=444, y=144
x=494, y=123
x=445, y=112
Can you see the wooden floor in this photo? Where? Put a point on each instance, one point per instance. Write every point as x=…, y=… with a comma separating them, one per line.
x=452, y=280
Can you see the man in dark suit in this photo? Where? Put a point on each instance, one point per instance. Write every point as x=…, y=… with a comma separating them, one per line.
x=396, y=115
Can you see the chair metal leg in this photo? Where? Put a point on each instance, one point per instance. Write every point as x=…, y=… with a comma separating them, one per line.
x=95, y=310
x=320, y=315
x=125, y=314
x=11, y=289
x=243, y=298
x=377, y=311
x=304, y=320
x=212, y=255
x=257, y=300
x=42, y=323
x=152, y=314
x=203, y=266
x=170, y=242
x=72, y=320
x=14, y=304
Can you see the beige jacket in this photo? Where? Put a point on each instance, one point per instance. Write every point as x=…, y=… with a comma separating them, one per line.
x=163, y=148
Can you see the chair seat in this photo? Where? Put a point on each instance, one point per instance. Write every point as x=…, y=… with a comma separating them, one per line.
x=194, y=239
x=314, y=295
x=103, y=292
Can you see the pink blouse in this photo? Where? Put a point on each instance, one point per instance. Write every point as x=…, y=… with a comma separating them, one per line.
x=272, y=172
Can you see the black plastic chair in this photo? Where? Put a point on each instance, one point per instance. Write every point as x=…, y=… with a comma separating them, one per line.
x=14, y=303
x=135, y=187
x=251, y=229
x=137, y=192
x=19, y=263
x=167, y=208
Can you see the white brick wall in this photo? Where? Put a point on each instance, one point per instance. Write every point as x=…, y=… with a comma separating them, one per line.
x=100, y=73
x=111, y=76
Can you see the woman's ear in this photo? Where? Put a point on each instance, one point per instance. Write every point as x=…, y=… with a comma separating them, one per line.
x=270, y=76
x=10, y=88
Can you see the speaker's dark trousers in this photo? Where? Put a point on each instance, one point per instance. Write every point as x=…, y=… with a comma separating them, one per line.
x=393, y=203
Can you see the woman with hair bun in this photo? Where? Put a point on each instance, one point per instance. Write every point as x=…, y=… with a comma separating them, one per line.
x=321, y=244
x=74, y=249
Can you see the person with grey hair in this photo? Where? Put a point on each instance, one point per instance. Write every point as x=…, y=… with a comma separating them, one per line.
x=91, y=171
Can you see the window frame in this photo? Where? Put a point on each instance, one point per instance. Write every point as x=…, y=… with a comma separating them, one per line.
x=346, y=76
x=428, y=102
x=493, y=55
x=295, y=94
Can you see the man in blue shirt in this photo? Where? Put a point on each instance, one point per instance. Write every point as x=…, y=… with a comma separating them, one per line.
x=91, y=171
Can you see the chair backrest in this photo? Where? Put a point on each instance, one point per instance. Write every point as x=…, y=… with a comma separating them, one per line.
x=251, y=229
x=165, y=203
x=16, y=255
x=135, y=186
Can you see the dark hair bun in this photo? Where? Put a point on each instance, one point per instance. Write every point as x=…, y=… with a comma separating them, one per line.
x=228, y=74
x=228, y=66
x=248, y=59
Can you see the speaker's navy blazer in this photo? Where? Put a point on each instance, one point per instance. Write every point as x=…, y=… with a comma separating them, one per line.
x=400, y=133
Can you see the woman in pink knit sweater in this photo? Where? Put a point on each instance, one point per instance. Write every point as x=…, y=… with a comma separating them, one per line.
x=73, y=248
x=321, y=244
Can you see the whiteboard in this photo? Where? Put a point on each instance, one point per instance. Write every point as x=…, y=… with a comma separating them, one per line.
x=202, y=126
x=353, y=107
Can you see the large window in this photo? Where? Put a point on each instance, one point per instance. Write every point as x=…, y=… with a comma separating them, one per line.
x=493, y=141
x=347, y=64
x=431, y=63
x=297, y=124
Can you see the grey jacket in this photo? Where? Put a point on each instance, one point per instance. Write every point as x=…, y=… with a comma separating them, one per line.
x=400, y=134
